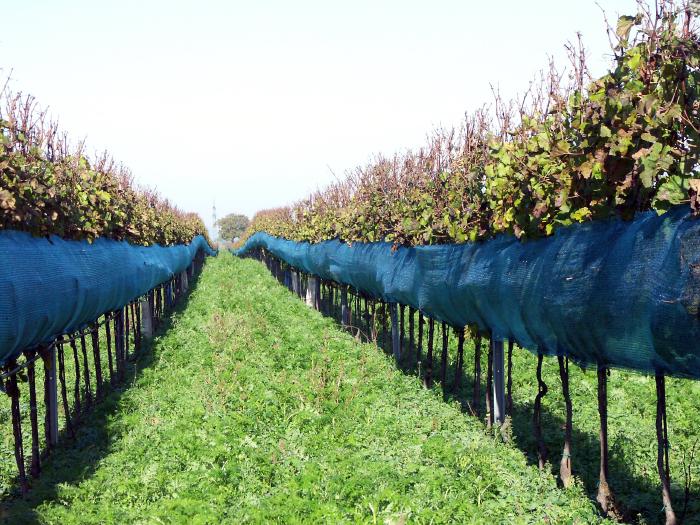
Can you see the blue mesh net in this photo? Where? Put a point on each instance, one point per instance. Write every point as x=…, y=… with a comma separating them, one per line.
x=49, y=287
x=610, y=293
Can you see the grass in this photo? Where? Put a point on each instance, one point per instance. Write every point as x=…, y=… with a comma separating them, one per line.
x=631, y=427
x=632, y=433
x=253, y=408
x=8, y=467
x=631, y=419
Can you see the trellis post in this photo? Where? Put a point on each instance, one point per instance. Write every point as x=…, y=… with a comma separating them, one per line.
x=499, y=393
x=311, y=292
x=146, y=319
x=151, y=304
x=317, y=293
x=168, y=298
x=295, y=282
x=344, y=310
x=395, y=336
x=184, y=282
x=48, y=356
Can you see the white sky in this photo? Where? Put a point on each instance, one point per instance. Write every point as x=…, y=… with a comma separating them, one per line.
x=249, y=103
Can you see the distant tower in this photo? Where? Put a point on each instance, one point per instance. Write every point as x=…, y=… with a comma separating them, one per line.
x=214, y=232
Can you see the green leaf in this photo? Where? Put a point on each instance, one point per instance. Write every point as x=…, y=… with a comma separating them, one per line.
x=581, y=214
x=648, y=137
x=624, y=25
x=673, y=191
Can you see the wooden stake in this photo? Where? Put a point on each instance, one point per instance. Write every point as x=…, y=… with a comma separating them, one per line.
x=489, y=385
x=395, y=341
x=344, y=311
x=310, y=290
x=605, y=495
x=429, y=358
x=537, y=416
x=35, y=466
x=419, y=352
x=460, y=360
x=499, y=401
x=368, y=318
x=127, y=323
x=509, y=383
x=476, y=393
x=76, y=391
x=108, y=337
x=135, y=328
x=662, y=449
x=12, y=389
x=119, y=343
x=402, y=342
x=443, y=359
x=317, y=294
x=411, y=327
x=48, y=356
x=565, y=470
x=94, y=332
x=385, y=331
x=64, y=391
x=86, y=370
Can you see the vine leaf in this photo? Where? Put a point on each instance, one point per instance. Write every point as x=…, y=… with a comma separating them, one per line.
x=624, y=26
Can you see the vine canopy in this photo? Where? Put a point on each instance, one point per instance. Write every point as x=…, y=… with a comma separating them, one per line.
x=570, y=152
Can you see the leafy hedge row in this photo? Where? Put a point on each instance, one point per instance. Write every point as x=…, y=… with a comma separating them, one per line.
x=47, y=187
x=626, y=142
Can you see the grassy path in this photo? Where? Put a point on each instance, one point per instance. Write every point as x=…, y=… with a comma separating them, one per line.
x=253, y=408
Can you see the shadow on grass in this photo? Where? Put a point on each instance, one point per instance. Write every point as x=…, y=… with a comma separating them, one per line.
x=76, y=459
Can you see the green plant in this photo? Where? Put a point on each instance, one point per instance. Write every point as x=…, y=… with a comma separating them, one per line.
x=232, y=225
x=271, y=414
x=47, y=188
x=611, y=147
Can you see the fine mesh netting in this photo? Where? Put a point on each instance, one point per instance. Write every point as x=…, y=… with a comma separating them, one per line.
x=608, y=293
x=49, y=287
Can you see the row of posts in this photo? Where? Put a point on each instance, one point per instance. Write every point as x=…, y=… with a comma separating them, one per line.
x=311, y=293
x=499, y=384
x=137, y=319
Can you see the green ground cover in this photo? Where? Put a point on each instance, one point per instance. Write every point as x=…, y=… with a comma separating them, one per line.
x=250, y=407
x=631, y=426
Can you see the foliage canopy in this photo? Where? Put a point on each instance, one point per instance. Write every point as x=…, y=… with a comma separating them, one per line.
x=568, y=152
x=232, y=225
x=48, y=187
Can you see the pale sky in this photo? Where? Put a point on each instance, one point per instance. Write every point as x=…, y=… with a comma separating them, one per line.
x=249, y=103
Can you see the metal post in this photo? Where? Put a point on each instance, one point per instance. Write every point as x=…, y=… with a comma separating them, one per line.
x=310, y=292
x=295, y=282
x=499, y=392
x=317, y=294
x=344, y=311
x=395, y=338
x=48, y=355
x=146, y=319
x=119, y=342
x=184, y=282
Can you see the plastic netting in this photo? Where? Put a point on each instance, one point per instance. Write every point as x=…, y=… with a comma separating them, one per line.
x=609, y=293
x=50, y=287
